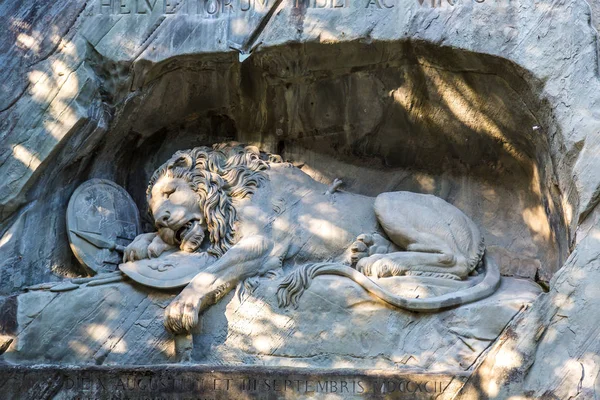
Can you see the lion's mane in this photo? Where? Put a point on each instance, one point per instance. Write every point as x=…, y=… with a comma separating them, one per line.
x=218, y=174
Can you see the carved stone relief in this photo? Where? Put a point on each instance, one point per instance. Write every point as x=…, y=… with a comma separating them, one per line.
x=248, y=260
x=218, y=227
x=270, y=261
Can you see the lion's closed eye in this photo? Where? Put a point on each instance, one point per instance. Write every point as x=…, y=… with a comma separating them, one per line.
x=168, y=191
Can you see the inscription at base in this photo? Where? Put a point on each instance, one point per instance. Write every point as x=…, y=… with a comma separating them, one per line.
x=168, y=382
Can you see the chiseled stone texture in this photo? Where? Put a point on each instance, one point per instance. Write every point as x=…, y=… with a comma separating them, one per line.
x=165, y=81
x=114, y=324
x=336, y=325
x=552, y=351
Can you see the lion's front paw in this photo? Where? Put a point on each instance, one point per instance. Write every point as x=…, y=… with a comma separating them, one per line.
x=369, y=244
x=181, y=315
x=138, y=249
x=157, y=247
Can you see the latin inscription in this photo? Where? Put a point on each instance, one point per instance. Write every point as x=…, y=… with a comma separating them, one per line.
x=180, y=384
x=145, y=384
x=217, y=7
x=212, y=383
x=180, y=7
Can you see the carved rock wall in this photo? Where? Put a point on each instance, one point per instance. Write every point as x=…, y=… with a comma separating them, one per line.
x=551, y=351
x=403, y=116
x=451, y=122
x=91, y=91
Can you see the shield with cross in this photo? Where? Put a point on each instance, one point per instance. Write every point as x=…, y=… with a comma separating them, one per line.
x=101, y=210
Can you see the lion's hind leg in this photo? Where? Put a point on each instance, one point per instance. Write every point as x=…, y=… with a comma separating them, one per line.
x=369, y=244
x=412, y=263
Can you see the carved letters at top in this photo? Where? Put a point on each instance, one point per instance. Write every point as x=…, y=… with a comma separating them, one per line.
x=215, y=8
x=229, y=213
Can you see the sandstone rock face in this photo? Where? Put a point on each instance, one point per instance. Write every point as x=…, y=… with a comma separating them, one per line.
x=491, y=106
x=349, y=329
x=553, y=339
x=115, y=324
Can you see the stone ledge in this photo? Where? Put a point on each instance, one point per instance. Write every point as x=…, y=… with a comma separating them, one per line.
x=122, y=324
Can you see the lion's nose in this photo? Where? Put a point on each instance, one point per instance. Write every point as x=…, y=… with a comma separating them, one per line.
x=162, y=220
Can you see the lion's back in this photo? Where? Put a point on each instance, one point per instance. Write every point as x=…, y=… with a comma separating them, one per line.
x=320, y=225
x=431, y=215
x=286, y=178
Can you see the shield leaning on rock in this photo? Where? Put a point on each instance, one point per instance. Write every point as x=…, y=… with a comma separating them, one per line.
x=102, y=209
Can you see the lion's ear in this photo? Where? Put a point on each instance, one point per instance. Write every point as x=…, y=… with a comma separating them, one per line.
x=182, y=160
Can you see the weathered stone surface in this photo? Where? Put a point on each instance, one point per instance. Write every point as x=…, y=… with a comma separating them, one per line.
x=113, y=324
x=552, y=350
x=490, y=106
x=339, y=325
x=123, y=324
x=595, y=6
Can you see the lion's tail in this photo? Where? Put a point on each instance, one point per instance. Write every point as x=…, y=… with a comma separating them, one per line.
x=294, y=285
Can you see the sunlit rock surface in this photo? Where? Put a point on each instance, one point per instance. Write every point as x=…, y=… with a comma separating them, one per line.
x=492, y=106
x=336, y=325
x=552, y=350
x=115, y=324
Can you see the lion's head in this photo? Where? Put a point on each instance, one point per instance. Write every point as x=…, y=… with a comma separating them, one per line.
x=192, y=193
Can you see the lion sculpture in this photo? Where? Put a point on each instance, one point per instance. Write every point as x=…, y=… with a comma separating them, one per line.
x=249, y=213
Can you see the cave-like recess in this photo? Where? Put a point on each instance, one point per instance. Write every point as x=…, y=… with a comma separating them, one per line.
x=381, y=116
